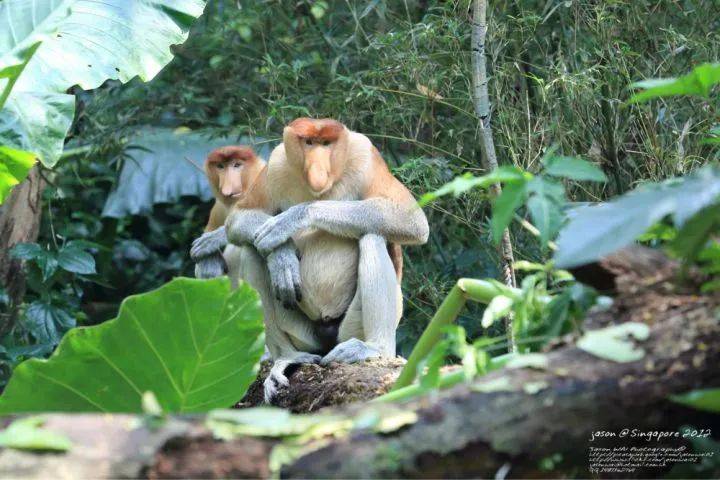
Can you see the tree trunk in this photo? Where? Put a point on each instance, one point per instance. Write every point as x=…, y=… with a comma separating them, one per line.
x=481, y=102
x=19, y=222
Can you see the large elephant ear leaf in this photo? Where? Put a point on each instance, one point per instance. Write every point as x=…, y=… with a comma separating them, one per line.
x=195, y=344
x=48, y=46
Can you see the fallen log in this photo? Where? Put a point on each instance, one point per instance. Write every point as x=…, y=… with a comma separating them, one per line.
x=516, y=422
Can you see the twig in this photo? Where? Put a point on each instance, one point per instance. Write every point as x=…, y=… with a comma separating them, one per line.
x=481, y=102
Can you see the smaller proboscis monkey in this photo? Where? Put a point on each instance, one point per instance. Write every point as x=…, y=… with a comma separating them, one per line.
x=231, y=171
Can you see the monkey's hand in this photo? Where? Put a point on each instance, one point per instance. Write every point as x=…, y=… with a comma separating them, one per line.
x=208, y=243
x=211, y=266
x=280, y=228
x=277, y=379
x=351, y=351
x=284, y=268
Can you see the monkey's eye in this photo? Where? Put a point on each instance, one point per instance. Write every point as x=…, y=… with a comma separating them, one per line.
x=237, y=165
x=308, y=141
x=326, y=142
x=220, y=166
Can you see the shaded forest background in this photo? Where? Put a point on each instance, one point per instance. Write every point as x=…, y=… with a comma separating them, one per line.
x=397, y=71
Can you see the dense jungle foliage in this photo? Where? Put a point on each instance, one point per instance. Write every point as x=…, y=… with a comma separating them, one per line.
x=398, y=72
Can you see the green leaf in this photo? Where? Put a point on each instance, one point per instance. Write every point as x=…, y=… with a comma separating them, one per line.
x=614, y=343
x=14, y=167
x=27, y=251
x=193, y=343
x=47, y=323
x=707, y=399
x=38, y=123
x=694, y=235
x=76, y=260
x=47, y=261
x=698, y=82
x=574, y=168
x=596, y=231
x=48, y=46
x=466, y=182
x=545, y=204
x=512, y=196
x=27, y=434
x=496, y=309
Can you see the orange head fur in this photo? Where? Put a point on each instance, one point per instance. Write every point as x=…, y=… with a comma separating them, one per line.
x=320, y=147
x=231, y=171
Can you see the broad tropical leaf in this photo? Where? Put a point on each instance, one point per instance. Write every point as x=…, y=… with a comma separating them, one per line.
x=48, y=46
x=166, y=165
x=193, y=343
x=596, y=231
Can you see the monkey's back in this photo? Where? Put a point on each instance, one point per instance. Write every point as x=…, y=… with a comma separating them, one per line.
x=328, y=273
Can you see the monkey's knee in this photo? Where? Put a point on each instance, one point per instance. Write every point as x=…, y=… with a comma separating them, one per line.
x=371, y=242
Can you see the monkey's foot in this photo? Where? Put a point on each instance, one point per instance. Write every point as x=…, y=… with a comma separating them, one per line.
x=277, y=379
x=351, y=351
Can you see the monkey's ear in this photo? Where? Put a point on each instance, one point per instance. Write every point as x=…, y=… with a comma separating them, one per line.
x=293, y=144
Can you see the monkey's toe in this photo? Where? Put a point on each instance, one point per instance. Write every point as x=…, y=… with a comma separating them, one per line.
x=350, y=351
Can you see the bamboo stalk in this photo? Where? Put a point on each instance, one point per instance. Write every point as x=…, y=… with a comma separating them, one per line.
x=465, y=289
x=481, y=102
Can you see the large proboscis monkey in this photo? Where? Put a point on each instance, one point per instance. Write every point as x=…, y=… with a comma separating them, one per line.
x=327, y=180
x=231, y=171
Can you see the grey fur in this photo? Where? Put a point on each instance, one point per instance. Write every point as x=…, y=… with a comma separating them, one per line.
x=353, y=218
x=210, y=266
x=208, y=243
x=284, y=267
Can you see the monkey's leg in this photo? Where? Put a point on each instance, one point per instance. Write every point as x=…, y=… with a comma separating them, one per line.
x=241, y=227
x=368, y=329
x=283, y=328
x=210, y=266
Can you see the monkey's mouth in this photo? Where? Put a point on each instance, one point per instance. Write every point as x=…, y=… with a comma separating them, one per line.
x=236, y=195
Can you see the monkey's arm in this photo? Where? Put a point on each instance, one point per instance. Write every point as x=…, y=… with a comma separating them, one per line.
x=206, y=250
x=282, y=262
x=397, y=223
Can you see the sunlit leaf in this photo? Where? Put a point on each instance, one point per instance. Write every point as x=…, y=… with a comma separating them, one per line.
x=467, y=182
x=28, y=434
x=14, y=167
x=496, y=309
x=48, y=46
x=616, y=343
x=698, y=82
x=707, y=400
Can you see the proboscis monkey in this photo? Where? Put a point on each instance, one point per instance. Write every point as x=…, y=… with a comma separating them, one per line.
x=326, y=178
x=239, y=178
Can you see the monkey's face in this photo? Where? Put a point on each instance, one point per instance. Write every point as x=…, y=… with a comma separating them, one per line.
x=320, y=148
x=229, y=178
x=227, y=168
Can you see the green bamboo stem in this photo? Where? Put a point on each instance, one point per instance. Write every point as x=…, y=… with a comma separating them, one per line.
x=465, y=289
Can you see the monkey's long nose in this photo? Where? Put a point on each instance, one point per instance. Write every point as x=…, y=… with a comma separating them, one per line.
x=317, y=177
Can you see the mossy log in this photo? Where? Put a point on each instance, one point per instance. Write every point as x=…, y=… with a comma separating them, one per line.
x=505, y=423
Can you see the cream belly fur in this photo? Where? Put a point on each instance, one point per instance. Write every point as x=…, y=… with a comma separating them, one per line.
x=326, y=289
